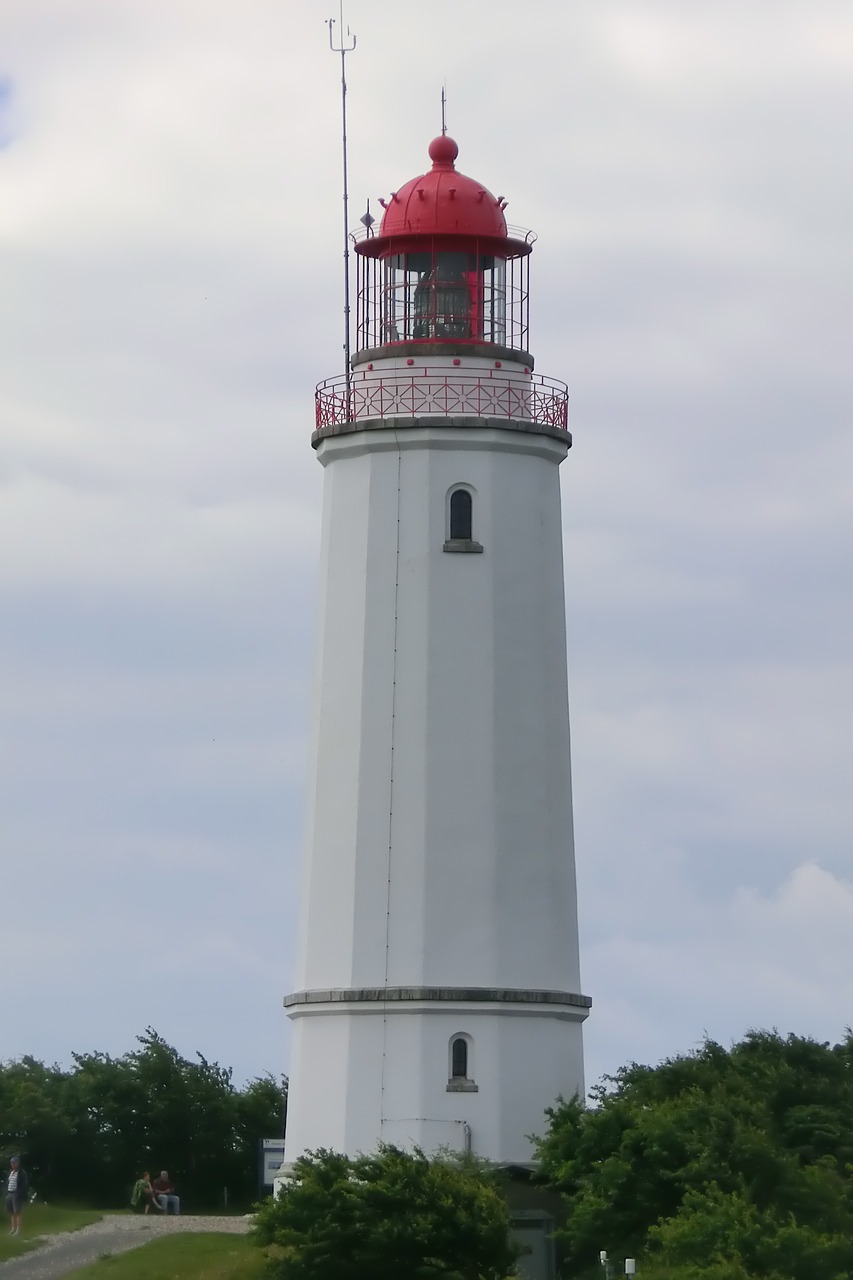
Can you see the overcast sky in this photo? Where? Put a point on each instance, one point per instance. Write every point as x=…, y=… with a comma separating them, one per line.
x=170, y=256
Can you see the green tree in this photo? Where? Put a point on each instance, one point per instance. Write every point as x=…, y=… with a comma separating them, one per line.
x=383, y=1217
x=715, y=1230
x=35, y=1116
x=722, y=1162
x=87, y=1133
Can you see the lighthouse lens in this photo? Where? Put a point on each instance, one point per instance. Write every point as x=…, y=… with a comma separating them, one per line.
x=442, y=302
x=435, y=295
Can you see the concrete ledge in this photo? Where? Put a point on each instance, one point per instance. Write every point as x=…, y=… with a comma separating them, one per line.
x=467, y=546
x=442, y=348
x=462, y=1086
x=447, y=995
x=405, y=422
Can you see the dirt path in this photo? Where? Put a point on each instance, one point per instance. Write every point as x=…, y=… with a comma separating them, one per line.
x=57, y=1255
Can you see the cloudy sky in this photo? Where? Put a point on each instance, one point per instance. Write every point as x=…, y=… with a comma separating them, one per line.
x=170, y=259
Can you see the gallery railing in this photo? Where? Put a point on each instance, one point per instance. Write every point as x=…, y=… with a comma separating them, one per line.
x=425, y=391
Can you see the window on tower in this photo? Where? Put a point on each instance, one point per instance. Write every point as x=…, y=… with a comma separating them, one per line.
x=459, y=1080
x=461, y=510
x=460, y=522
x=459, y=1059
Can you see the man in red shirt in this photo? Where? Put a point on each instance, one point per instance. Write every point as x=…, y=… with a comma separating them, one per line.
x=165, y=1193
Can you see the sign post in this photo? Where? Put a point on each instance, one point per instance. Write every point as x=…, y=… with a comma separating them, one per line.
x=270, y=1157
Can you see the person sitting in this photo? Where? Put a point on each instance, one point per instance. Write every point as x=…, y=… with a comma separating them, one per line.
x=142, y=1195
x=167, y=1197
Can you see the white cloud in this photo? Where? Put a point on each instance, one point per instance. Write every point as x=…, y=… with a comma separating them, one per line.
x=684, y=966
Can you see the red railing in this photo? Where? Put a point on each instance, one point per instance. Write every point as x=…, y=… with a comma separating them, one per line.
x=514, y=232
x=440, y=392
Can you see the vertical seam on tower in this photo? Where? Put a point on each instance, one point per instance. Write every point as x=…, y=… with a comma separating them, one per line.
x=390, y=793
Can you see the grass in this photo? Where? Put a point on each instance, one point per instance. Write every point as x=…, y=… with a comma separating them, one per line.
x=210, y=1256
x=43, y=1220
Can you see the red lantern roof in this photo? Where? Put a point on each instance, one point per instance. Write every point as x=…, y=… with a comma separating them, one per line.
x=444, y=201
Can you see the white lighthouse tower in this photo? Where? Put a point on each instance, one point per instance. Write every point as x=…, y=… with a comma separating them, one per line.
x=439, y=996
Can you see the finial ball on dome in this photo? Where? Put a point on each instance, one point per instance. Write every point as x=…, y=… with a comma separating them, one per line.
x=443, y=150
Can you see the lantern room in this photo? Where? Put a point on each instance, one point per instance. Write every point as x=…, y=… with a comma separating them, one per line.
x=443, y=269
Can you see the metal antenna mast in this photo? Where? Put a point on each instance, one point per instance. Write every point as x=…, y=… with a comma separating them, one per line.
x=444, y=108
x=343, y=49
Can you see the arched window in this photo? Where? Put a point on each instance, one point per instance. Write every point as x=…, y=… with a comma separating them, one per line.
x=460, y=521
x=461, y=510
x=459, y=1059
x=460, y=1064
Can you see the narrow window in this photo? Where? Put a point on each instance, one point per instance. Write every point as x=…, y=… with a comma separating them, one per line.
x=460, y=514
x=460, y=1066
x=460, y=522
x=459, y=1059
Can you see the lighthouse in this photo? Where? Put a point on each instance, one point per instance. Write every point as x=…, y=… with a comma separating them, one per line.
x=439, y=1000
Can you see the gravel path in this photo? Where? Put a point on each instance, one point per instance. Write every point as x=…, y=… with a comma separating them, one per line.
x=59, y=1254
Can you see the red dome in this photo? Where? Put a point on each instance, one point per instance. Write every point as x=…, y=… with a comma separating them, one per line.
x=443, y=201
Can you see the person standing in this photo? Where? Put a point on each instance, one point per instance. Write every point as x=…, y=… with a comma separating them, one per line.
x=165, y=1193
x=17, y=1193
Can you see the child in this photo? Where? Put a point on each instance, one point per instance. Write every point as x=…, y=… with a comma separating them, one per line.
x=142, y=1195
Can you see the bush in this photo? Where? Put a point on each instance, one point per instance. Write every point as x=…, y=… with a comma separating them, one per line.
x=388, y=1216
